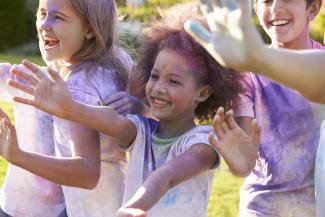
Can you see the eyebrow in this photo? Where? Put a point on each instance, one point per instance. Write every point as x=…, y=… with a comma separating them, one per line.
x=54, y=12
x=176, y=75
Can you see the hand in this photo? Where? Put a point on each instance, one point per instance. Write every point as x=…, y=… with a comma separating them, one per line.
x=9, y=148
x=238, y=149
x=130, y=212
x=123, y=103
x=50, y=94
x=233, y=40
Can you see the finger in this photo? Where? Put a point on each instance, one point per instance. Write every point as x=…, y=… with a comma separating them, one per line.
x=117, y=104
x=23, y=101
x=3, y=128
x=217, y=127
x=23, y=87
x=229, y=118
x=3, y=115
x=54, y=75
x=221, y=113
x=206, y=7
x=216, y=4
x=10, y=126
x=245, y=8
x=213, y=141
x=18, y=72
x=256, y=134
x=231, y=5
x=123, y=110
x=198, y=32
x=35, y=69
x=113, y=98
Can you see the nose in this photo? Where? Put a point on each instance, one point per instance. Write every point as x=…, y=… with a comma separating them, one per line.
x=44, y=24
x=160, y=87
x=277, y=6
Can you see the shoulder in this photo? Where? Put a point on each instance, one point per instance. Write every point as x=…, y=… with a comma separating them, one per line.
x=143, y=123
x=197, y=135
x=94, y=81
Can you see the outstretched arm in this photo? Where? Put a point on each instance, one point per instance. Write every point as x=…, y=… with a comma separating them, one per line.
x=52, y=95
x=234, y=42
x=81, y=170
x=239, y=149
x=192, y=162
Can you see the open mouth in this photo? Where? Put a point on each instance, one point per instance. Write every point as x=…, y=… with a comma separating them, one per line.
x=282, y=22
x=159, y=101
x=50, y=42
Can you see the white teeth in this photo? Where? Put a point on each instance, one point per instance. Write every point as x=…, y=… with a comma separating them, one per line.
x=159, y=101
x=279, y=22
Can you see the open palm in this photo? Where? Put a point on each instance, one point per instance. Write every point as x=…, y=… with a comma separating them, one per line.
x=9, y=148
x=238, y=149
x=50, y=94
x=232, y=39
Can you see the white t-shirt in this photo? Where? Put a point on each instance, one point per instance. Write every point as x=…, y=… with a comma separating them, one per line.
x=105, y=199
x=189, y=198
x=23, y=193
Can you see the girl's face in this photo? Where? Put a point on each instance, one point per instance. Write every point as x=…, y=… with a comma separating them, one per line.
x=285, y=21
x=61, y=32
x=172, y=90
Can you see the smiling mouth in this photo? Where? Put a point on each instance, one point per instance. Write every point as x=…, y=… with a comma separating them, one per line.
x=279, y=22
x=50, y=43
x=159, y=101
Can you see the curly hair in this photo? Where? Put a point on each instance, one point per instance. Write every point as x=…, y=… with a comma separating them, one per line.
x=171, y=35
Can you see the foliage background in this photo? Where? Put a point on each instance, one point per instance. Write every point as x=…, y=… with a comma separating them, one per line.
x=18, y=39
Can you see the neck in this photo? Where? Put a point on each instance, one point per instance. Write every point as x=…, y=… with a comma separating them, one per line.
x=171, y=129
x=300, y=43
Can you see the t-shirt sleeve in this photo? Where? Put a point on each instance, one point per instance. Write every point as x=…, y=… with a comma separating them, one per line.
x=140, y=137
x=5, y=92
x=246, y=101
x=199, y=136
x=82, y=93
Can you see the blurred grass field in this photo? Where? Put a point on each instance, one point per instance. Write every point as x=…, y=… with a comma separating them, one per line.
x=224, y=197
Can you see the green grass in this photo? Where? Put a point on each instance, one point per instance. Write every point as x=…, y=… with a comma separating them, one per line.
x=225, y=192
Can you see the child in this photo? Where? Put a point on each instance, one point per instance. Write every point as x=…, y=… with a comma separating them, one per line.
x=282, y=182
x=171, y=164
x=77, y=37
x=22, y=191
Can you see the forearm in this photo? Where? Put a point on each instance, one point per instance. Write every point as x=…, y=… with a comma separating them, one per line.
x=74, y=171
x=102, y=119
x=150, y=192
x=300, y=70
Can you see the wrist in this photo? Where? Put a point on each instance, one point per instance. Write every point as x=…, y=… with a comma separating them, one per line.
x=259, y=61
x=16, y=158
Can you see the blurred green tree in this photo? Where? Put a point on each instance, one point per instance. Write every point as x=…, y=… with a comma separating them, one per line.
x=13, y=23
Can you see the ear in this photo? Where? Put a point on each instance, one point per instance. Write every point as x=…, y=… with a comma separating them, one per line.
x=89, y=34
x=313, y=9
x=204, y=93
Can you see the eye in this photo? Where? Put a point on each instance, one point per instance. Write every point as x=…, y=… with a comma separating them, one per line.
x=175, y=82
x=41, y=15
x=154, y=76
x=57, y=17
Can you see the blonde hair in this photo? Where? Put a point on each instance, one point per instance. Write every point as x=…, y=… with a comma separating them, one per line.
x=101, y=16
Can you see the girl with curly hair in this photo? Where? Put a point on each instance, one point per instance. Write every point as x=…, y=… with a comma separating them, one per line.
x=171, y=162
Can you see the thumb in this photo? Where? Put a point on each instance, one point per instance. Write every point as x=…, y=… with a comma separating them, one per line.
x=54, y=75
x=256, y=133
